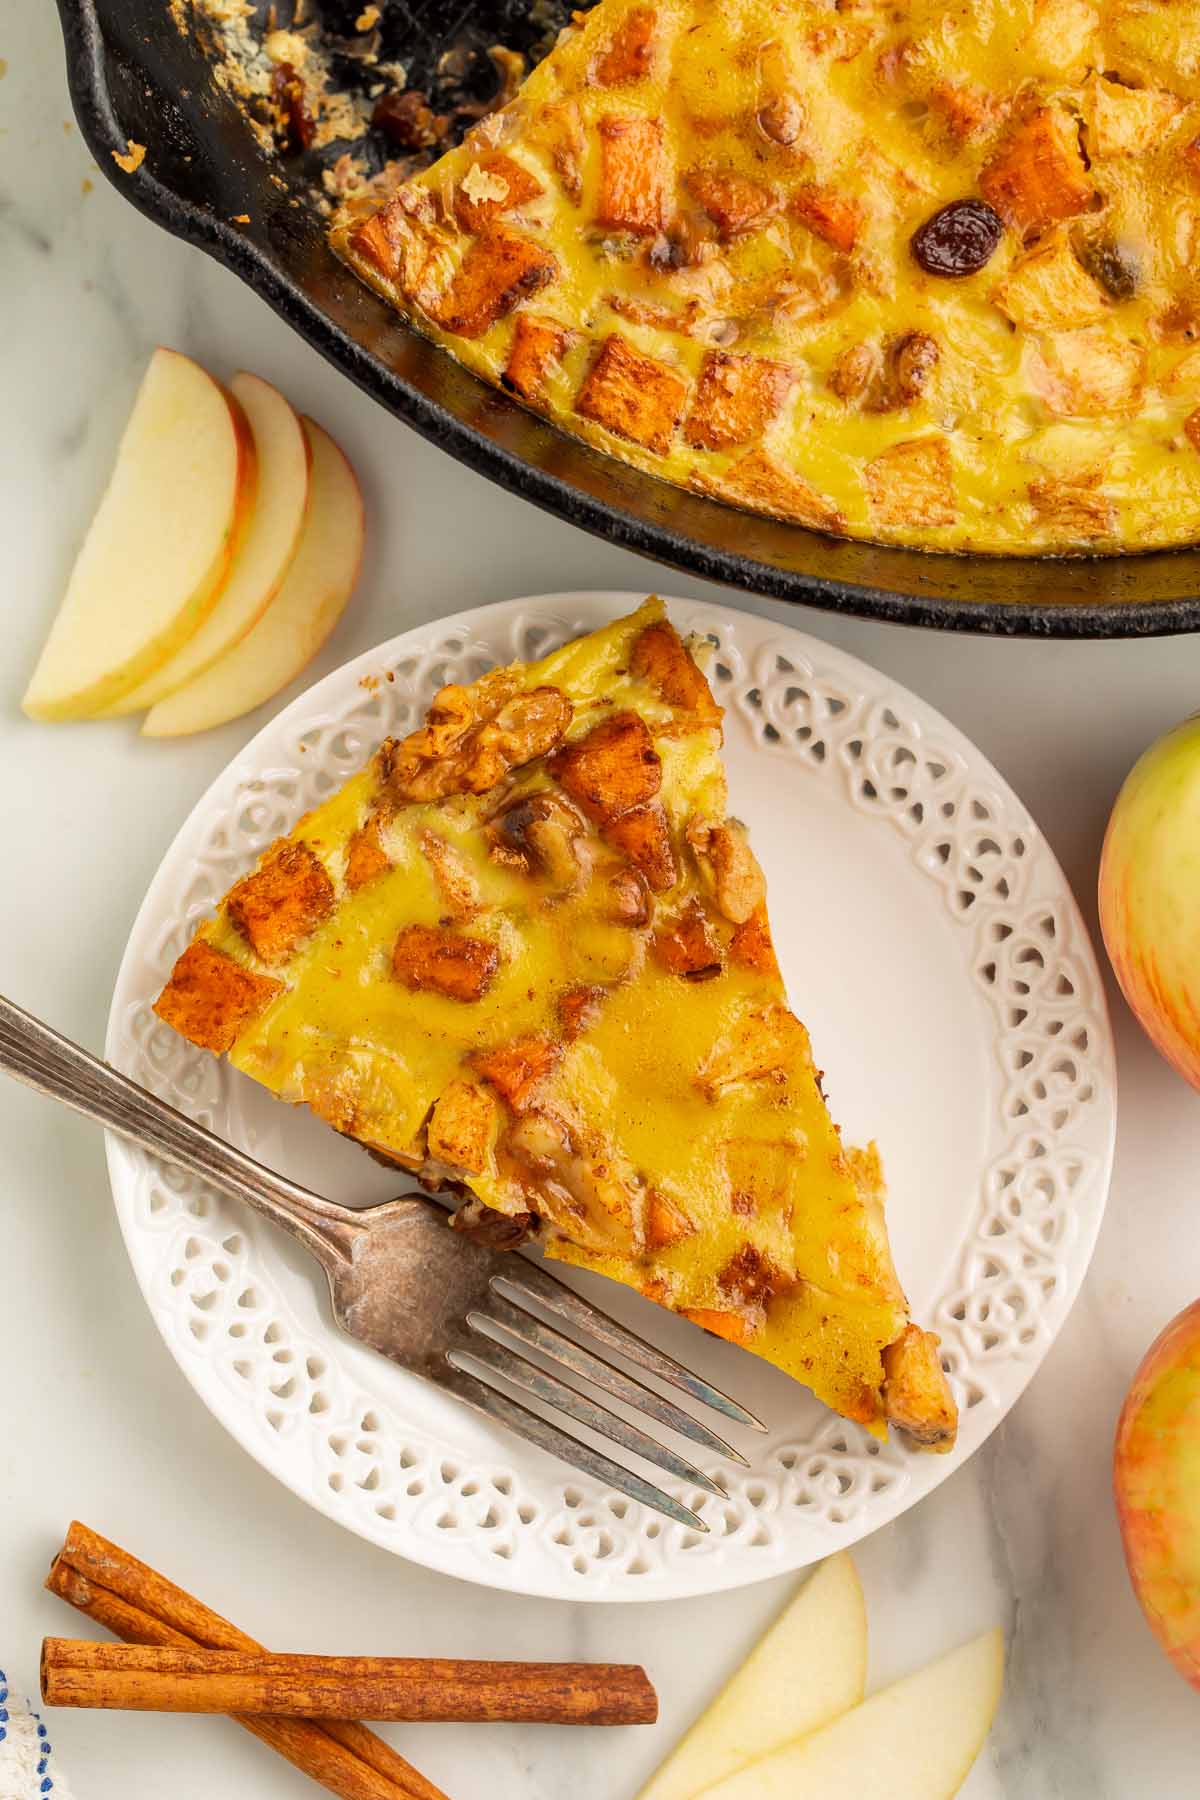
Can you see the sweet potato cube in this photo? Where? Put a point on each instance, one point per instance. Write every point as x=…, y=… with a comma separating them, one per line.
x=515, y=1069
x=836, y=218
x=735, y=1328
x=736, y=398
x=365, y=855
x=462, y=1127
x=912, y=483
x=633, y=175
x=1088, y=374
x=282, y=902
x=1037, y=175
x=733, y=202
x=750, y=947
x=688, y=945
x=210, y=999
x=1049, y=290
x=1125, y=121
x=578, y=1008
x=536, y=351
x=642, y=835
x=629, y=53
x=611, y=770
x=661, y=658
x=759, y=481
x=495, y=184
x=632, y=395
x=916, y=1394
x=501, y=268
x=1076, y=508
x=666, y=1223
x=433, y=959
x=969, y=112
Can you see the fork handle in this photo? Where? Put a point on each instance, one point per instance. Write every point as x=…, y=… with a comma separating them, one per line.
x=43, y=1059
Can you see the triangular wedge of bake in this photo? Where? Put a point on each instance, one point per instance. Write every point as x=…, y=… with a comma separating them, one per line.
x=525, y=954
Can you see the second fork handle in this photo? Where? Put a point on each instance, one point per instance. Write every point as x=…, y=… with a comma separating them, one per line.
x=32, y=1052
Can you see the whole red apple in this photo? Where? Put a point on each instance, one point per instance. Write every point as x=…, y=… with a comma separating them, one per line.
x=1150, y=895
x=1156, y=1480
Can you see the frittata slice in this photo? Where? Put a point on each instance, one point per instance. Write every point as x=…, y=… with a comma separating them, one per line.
x=525, y=954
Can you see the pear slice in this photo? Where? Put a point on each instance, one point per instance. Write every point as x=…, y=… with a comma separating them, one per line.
x=916, y=1740
x=315, y=589
x=266, y=551
x=809, y=1668
x=160, y=547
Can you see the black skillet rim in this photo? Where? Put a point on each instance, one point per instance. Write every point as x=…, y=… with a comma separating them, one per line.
x=96, y=114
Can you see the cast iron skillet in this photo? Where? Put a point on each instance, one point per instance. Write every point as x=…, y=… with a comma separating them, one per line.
x=134, y=76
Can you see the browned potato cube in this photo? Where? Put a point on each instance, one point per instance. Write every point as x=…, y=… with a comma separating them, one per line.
x=643, y=836
x=1088, y=374
x=733, y=202
x=759, y=481
x=578, y=1008
x=495, y=184
x=633, y=175
x=916, y=1394
x=515, y=1069
x=751, y=947
x=1076, y=508
x=611, y=770
x=365, y=855
x=661, y=657
x=629, y=53
x=666, y=1223
x=535, y=352
x=836, y=218
x=462, y=1127
x=501, y=268
x=688, y=945
x=282, y=902
x=736, y=398
x=434, y=959
x=632, y=395
x=1038, y=175
x=912, y=483
x=210, y=999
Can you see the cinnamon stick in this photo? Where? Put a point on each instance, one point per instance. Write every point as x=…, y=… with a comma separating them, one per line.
x=135, y=1603
x=156, y=1678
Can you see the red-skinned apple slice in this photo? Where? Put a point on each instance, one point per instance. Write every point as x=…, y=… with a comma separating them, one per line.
x=266, y=550
x=160, y=547
x=299, y=619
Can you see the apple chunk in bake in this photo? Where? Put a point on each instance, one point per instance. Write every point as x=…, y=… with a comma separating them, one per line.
x=526, y=952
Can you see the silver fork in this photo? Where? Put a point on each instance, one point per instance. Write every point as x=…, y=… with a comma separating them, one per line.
x=403, y=1283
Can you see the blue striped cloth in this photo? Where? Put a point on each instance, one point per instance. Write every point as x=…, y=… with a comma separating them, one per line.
x=27, y=1766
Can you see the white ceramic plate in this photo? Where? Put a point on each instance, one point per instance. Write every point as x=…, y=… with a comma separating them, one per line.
x=932, y=946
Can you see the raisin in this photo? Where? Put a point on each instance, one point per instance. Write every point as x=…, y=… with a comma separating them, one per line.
x=1113, y=265
x=408, y=120
x=297, y=127
x=959, y=239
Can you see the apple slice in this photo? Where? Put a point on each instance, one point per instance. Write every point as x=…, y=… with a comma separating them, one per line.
x=914, y=1741
x=265, y=552
x=316, y=587
x=160, y=547
x=809, y=1668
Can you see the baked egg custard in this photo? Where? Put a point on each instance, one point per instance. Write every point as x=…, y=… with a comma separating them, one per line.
x=525, y=954
x=909, y=272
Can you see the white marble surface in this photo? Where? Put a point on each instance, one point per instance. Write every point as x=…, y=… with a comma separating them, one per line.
x=96, y=1422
